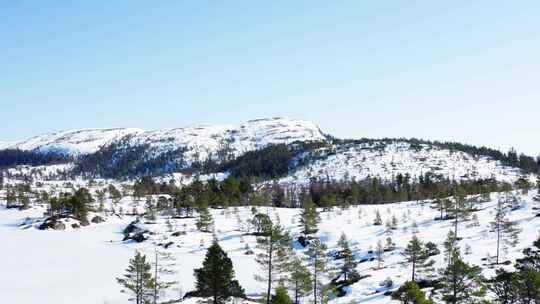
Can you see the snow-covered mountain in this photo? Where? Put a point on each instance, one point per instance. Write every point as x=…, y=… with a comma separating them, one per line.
x=71, y=142
x=243, y=137
x=135, y=152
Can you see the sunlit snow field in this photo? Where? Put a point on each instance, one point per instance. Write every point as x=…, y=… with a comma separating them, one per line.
x=80, y=265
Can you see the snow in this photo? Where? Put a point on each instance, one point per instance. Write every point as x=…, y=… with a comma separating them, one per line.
x=72, y=142
x=80, y=265
x=362, y=161
x=200, y=139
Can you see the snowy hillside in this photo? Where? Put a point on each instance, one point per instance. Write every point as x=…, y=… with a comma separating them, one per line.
x=370, y=160
x=81, y=265
x=201, y=138
x=134, y=152
x=71, y=142
x=252, y=135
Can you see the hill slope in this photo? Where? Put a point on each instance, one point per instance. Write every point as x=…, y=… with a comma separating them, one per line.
x=294, y=151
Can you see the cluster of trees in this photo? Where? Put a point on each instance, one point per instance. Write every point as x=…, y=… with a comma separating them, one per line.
x=234, y=191
x=523, y=284
x=15, y=157
x=273, y=161
x=77, y=204
x=283, y=271
x=148, y=280
x=461, y=282
x=18, y=196
x=328, y=193
x=123, y=160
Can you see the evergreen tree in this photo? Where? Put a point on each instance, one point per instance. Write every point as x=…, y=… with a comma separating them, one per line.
x=281, y=296
x=275, y=239
x=309, y=217
x=299, y=279
x=163, y=263
x=450, y=246
x=319, y=266
x=261, y=223
x=460, y=209
x=416, y=255
x=114, y=193
x=204, y=221
x=462, y=283
x=138, y=279
x=410, y=293
x=348, y=268
x=11, y=198
x=528, y=281
x=505, y=287
x=377, y=221
x=216, y=277
x=507, y=232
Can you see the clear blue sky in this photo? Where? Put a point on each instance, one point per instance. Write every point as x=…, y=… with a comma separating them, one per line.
x=449, y=70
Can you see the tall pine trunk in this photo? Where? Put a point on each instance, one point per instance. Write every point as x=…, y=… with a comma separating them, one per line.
x=413, y=267
x=296, y=292
x=498, y=241
x=270, y=251
x=156, y=279
x=315, y=279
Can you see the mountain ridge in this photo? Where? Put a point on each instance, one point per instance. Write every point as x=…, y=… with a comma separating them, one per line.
x=84, y=141
x=293, y=151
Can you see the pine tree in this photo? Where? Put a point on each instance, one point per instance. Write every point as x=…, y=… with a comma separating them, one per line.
x=205, y=221
x=11, y=198
x=504, y=286
x=261, y=223
x=450, y=246
x=507, y=232
x=410, y=293
x=163, y=263
x=394, y=222
x=281, y=296
x=462, y=283
x=299, y=279
x=309, y=217
x=275, y=239
x=216, y=277
x=319, y=266
x=377, y=221
x=348, y=268
x=416, y=255
x=460, y=209
x=138, y=279
x=390, y=245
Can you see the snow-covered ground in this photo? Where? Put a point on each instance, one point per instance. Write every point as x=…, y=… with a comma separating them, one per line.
x=80, y=265
x=361, y=161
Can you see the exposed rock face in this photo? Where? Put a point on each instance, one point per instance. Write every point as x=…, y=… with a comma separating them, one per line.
x=178, y=233
x=52, y=223
x=84, y=222
x=57, y=225
x=97, y=219
x=133, y=232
